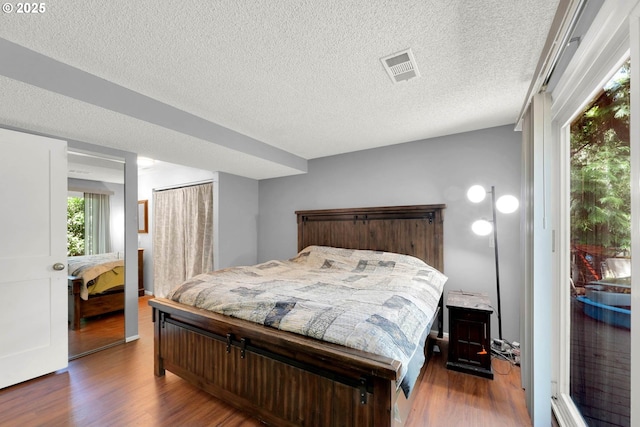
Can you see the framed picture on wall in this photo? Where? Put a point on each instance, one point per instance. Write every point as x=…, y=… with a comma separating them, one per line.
x=143, y=216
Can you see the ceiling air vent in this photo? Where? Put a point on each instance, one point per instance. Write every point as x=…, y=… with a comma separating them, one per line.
x=401, y=66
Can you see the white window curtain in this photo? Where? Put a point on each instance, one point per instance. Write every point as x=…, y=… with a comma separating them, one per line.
x=537, y=265
x=97, y=235
x=182, y=235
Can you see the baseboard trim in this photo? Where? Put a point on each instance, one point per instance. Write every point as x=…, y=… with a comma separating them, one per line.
x=132, y=338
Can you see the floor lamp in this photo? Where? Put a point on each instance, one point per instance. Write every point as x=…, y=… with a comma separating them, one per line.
x=483, y=227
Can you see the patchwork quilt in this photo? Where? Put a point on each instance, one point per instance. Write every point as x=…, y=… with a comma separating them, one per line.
x=380, y=302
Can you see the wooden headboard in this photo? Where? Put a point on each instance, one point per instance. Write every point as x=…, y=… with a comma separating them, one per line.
x=410, y=230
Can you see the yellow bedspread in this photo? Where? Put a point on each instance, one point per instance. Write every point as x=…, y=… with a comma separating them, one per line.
x=91, y=267
x=107, y=281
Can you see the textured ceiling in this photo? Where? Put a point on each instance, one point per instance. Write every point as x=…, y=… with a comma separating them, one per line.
x=302, y=78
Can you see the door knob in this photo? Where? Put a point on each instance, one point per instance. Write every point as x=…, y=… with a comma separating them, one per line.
x=58, y=266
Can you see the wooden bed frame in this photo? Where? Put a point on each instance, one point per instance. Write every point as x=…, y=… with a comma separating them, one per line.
x=103, y=303
x=94, y=306
x=286, y=379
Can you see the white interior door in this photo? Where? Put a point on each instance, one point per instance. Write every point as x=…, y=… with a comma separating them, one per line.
x=33, y=293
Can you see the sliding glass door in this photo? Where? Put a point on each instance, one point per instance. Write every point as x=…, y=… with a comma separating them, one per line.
x=600, y=256
x=595, y=188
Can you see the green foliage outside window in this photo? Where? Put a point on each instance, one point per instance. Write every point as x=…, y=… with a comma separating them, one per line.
x=75, y=226
x=601, y=170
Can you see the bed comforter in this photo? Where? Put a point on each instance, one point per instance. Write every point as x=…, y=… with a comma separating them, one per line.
x=379, y=302
x=89, y=267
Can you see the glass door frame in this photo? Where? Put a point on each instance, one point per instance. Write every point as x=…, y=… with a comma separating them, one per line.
x=634, y=30
x=605, y=47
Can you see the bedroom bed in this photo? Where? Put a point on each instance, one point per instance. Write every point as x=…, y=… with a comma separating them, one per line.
x=288, y=379
x=96, y=286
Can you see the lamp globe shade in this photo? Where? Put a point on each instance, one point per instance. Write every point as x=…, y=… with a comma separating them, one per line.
x=476, y=193
x=507, y=204
x=482, y=227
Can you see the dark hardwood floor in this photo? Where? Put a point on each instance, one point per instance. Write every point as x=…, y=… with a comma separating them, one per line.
x=116, y=387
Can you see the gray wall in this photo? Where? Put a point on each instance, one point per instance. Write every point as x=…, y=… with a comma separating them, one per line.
x=237, y=226
x=434, y=171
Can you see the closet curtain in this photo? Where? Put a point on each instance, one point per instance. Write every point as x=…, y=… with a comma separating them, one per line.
x=97, y=236
x=182, y=235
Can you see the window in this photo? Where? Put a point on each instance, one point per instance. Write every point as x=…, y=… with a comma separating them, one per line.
x=88, y=224
x=75, y=226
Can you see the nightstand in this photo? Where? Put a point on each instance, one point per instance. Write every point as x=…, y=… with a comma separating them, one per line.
x=470, y=333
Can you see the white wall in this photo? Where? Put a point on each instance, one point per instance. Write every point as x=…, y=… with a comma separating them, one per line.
x=434, y=171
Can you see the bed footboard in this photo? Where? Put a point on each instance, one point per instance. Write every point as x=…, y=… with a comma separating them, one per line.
x=281, y=378
x=94, y=306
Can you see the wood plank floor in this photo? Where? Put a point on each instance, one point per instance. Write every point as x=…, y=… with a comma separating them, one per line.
x=116, y=387
x=96, y=333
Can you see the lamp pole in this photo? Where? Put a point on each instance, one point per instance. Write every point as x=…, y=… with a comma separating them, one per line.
x=495, y=246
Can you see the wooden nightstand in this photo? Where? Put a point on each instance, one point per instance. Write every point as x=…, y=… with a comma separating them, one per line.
x=470, y=333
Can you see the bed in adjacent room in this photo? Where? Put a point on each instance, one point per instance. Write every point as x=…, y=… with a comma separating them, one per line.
x=334, y=336
x=96, y=285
